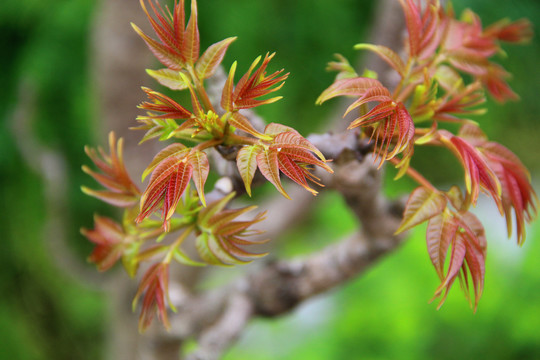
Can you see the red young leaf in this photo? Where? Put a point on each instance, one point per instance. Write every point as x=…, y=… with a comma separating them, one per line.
x=164, y=104
x=477, y=172
x=155, y=286
x=387, y=54
x=519, y=31
x=110, y=241
x=517, y=192
x=390, y=119
x=495, y=83
x=457, y=256
x=376, y=93
x=252, y=86
x=166, y=27
x=465, y=234
x=289, y=153
x=121, y=191
x=413, y=20
x=167, y=184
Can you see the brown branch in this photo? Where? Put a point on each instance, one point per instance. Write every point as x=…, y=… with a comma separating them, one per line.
x=280, y=286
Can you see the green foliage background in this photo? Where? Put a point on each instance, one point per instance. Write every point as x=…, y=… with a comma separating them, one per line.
x=45, y=314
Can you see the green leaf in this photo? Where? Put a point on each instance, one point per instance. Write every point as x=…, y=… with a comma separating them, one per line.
x=212, y=209
x=217, y=248
x=388, y=55
x=169, y=78
x=182, y=258
x=150, y=252
x=203, y=248
x=422, y=205
x=129, y=261
x=212, y=57
x=246, y=161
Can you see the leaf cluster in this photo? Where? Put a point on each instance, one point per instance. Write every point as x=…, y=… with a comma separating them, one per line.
x=443, y=76
x=168, y=206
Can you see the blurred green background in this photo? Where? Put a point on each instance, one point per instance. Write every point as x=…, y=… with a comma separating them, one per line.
x=46, y=314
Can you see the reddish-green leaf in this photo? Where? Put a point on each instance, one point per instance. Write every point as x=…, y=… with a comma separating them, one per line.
x=293, y=140
x=246, y=161
x=201, y=168
x=414, y=25
x=477, y=172
x=155, y=286
x=168, y=58
x=387, y=54
x=212, y=209
x=169, y=78
x=211, y=58
x=176, y=186
x=167, y=184
x=274, y=129
x=227, y=94
x=253, y=86
x=191, y=36
x=242, y=123
x=175, y=149
x=109, y=238
x=440, y=232
x=114, y=177
x=348, y=87
x=293, y=171
x=267, y=161
x=422, y=205
x=376, y=93
x=112, y=198
x=457, y=255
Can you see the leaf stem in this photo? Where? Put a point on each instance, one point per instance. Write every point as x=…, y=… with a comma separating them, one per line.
x=415, y=175
x=177, y=243
x=199, y=87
